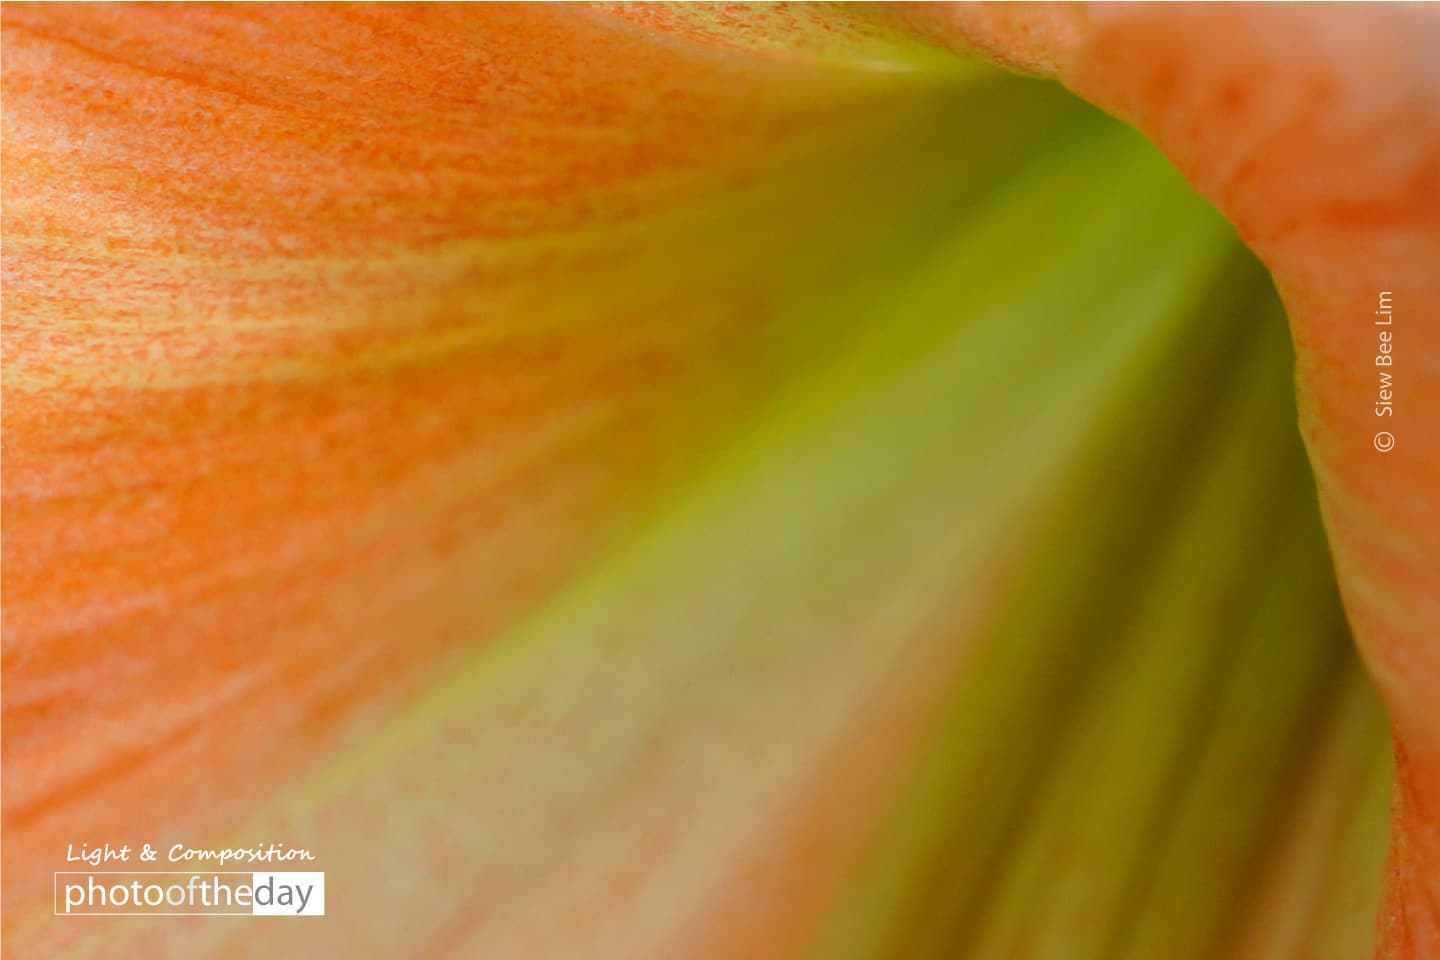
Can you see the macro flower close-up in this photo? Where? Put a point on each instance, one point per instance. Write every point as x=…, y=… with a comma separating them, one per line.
x=721, y=481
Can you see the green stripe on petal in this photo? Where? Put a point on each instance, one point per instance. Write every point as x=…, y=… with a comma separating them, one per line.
x=1131, y=742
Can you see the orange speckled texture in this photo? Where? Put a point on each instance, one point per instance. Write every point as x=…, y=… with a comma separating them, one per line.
x=328, y=326
x=331, y=325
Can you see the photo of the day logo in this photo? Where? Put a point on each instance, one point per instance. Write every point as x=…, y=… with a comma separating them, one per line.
x=119, y=894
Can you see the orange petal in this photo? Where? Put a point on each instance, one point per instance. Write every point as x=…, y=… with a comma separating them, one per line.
x=330, y=421
x=262, y=340
x=1316, y=129
x=337, y=336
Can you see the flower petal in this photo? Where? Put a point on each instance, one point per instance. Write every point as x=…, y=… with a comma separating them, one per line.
x=1317, y=131
x=666, y=396
x=336, y=338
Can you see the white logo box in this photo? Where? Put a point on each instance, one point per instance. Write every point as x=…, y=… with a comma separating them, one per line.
x=271, y=893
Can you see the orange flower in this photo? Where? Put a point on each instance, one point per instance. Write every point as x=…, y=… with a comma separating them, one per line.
x=724, y=480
